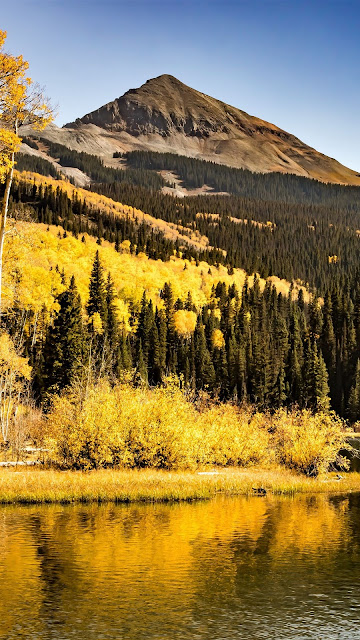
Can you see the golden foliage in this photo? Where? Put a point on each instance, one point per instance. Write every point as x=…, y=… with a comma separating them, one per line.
x=185, y=322
x=34, y=284
x=306, y=442
x=14, y=370
x=20, y=102
x=86, y=427
x=217, y=339
x=160, y=428
x=232, y=436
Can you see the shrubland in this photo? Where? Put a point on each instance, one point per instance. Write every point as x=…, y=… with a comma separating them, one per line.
x=99, y=426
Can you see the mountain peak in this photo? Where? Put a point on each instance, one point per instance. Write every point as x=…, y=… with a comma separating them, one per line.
x=166, y=115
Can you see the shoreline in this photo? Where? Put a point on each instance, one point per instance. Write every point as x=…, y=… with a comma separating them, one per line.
x=46, y=486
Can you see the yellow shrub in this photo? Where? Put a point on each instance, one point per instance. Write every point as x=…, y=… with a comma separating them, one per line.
x=86, y=429
x=231, y=436
x=160, y=427
x=306, y=442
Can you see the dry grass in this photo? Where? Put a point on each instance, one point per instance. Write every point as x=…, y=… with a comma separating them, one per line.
x=48, y=485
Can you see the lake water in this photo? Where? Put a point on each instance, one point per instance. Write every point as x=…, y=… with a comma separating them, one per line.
x=252, y=568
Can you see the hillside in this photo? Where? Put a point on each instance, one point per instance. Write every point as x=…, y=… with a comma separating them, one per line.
x=166, y=115
x=152, y=306
x=52, y=253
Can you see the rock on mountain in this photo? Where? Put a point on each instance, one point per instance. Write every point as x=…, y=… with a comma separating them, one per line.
x=166, y=115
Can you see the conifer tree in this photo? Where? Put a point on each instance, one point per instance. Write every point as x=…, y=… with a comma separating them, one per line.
x=354, y=398
x=97, y=291
x=205, y=373
x=64, y=346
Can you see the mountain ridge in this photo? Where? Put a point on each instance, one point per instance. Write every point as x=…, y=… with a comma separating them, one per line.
x=164, y=114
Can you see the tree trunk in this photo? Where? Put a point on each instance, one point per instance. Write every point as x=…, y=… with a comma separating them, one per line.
x=3, y=220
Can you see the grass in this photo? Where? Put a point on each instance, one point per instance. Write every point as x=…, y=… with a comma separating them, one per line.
x=31, y=486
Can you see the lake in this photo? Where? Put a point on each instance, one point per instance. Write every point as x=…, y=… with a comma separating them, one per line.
x=252, y=568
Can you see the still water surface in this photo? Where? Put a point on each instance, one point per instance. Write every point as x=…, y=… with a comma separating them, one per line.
x=253, y=568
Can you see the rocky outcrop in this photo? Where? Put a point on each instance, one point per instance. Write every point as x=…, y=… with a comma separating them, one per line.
x=166, y=115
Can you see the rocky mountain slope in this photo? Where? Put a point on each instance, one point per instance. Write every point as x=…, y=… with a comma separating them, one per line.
x=166, y=115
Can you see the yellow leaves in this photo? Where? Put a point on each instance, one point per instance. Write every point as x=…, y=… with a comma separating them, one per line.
x=185, y=322
x=10, y=361
x=21, y=102
x=217, y=339
x=231, y=436
x=96, y=323
x=159, y=427
x=9, y=144
x=86, y=428
x=122, y=314
x=307, y=442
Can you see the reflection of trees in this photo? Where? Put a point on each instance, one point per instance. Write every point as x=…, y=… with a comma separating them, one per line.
x=132, y=570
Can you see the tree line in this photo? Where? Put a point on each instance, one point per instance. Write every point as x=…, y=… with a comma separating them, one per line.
x=251, y=346
x=316, y=244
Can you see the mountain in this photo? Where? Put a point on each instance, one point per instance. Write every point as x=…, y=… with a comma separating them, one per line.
x=166, y=115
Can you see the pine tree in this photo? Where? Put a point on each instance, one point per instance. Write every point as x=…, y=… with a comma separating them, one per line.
x=97, y=291
x=205, y=373
x=64, y=346
x=112, y=327
x=354, y=398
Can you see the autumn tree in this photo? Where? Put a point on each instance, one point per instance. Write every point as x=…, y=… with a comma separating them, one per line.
x=21, y=102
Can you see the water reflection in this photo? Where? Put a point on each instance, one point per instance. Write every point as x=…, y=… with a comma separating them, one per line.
x=231, y=568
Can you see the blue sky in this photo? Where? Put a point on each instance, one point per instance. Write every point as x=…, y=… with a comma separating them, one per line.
x=294, y=63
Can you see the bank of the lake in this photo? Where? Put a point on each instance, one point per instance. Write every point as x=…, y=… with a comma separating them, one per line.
x=32, y=486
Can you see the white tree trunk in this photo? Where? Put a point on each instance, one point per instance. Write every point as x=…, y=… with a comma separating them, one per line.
x=3, y=220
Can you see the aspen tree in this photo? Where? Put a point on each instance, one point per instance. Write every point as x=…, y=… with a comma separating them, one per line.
x=21, y=102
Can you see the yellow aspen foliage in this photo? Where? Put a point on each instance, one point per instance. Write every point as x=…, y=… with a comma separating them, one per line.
x=96, y=323
x=20, y=103
x=86, y=428
x=122, y=314
x=35, y=282
x=14, y=371
x=217, y=339
x=185, y=322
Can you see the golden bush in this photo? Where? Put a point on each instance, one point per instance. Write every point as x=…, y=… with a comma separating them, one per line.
x=160, y=425
x=159, y=428
x=308, y=442
x=232, y=436
x=86, y=428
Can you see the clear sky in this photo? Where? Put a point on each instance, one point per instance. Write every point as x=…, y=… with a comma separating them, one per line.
x=292, y=62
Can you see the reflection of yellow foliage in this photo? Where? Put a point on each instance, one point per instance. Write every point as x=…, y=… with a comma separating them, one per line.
x=309, y=525
x=164, y=553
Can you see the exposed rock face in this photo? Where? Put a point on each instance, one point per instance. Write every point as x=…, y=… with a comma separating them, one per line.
x=166, y=115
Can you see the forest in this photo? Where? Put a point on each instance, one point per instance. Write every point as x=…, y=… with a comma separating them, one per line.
x=283, y=225
x=248, y=345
